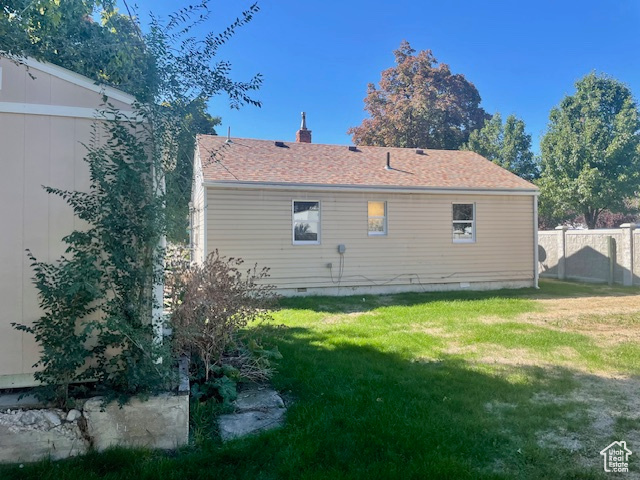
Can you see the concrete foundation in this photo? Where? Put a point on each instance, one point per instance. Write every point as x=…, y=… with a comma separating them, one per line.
x=160, y=422
x=28, y=435
x=412, y=287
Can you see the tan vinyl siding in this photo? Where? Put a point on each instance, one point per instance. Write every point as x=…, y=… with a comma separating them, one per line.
x=418, y=248
x=36, y=150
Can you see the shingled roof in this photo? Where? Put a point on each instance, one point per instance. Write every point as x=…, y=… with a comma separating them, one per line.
x=243, y=160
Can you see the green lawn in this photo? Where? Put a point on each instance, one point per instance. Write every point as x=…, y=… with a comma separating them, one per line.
x=510, y=384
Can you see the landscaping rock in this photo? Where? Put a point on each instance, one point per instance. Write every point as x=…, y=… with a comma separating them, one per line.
x=255, y=399
x=257, y=409
x=73, y=415
x=52, y=417
x=237, y=425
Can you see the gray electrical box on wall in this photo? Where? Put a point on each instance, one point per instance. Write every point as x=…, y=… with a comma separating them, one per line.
x=341, y=248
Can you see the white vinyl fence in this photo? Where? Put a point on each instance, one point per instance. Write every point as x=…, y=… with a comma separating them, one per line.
x=611, y=255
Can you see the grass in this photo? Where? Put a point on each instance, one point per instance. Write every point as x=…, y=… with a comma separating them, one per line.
x=484, y=385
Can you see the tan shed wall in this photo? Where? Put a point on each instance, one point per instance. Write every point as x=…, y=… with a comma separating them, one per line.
x=35, y=150
x=418, y=249
x=46, y=89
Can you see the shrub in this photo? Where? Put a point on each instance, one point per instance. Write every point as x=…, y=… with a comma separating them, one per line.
x=211, y=303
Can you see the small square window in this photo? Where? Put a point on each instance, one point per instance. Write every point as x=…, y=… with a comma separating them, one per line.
x=377, y=218
x=306, y=222
x=464, y=227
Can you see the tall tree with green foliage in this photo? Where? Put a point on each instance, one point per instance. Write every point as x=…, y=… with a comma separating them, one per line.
x=419, y=103
x=591, y=151
x=506, y=144
x=65, y=33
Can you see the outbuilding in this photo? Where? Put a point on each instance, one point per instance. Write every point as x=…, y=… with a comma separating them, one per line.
x=46, y=118
x=340, y=220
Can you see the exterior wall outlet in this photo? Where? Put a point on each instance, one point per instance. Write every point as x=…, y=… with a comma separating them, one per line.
x=329, y=265
x=341, y=248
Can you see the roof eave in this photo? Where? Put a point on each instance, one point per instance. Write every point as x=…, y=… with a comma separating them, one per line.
x=369, y=188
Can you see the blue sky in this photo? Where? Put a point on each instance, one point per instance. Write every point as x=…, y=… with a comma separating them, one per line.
x=318, y=57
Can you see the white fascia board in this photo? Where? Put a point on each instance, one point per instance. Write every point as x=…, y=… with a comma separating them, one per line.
x=60, y=111
x=368, y=188
x=79, y=80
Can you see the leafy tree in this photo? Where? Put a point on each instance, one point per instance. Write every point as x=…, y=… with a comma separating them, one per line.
x=591, y=151
x=179, y=170
x=164, y=67
x=64, y=33
x=507, y=145
x=419, y=103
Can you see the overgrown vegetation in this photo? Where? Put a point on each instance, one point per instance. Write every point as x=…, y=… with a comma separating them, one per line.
x=109, y=270
x=101, y=320
x=211, y=304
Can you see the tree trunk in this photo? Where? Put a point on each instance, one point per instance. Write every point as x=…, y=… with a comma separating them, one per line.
x=591, y=218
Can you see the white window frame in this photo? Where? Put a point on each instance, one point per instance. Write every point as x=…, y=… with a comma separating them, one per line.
x=384, y=218
x=472, y=221
x=293, y=223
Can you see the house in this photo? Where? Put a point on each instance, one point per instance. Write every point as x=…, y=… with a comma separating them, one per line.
x=338, y=220
x=46, y=114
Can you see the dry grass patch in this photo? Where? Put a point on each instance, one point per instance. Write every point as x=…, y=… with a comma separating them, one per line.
x=608, y=321
x=606, y=402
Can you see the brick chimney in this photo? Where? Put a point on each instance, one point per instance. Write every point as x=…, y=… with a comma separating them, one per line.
x=303, y=135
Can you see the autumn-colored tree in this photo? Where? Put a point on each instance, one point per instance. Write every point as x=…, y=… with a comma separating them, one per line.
x=419, y=103
x=506, y=144
x=591, y=151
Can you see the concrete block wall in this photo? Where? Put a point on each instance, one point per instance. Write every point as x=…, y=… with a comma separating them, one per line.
x=611, y=255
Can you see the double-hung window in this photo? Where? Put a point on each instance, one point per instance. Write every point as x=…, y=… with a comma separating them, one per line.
x=464, y=225
x=306, y=222
x=377, y=218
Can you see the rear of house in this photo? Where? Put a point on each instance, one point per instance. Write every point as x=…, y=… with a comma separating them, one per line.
x=340, y=220
x=46, y=115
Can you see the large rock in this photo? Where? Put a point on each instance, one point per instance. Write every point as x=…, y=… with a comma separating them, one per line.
x=160, y=422
x=31, y=435
x=256, y=399
x=257, y=410
x=236, y=425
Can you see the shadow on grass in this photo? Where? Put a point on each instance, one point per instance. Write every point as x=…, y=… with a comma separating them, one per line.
x=364, y=303
x=359, y=413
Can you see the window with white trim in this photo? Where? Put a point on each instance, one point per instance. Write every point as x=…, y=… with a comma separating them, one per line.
x=377, y=218
x=464, y=226
x=306, y=222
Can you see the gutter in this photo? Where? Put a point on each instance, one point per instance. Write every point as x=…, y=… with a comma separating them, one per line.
x=368, y=188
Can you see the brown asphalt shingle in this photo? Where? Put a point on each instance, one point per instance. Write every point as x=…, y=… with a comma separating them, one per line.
x=261, y=161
